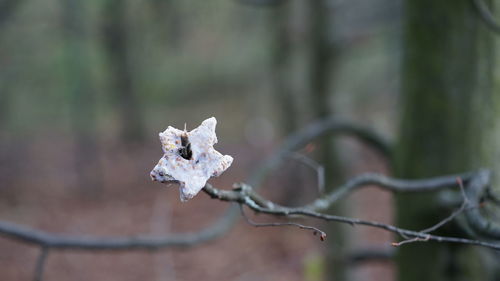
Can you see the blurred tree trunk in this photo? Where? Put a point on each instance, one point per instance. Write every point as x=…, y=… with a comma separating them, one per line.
x=281, y=67
x=116, y=46
x=9, y=152
x=322, y=59
x=82, y=99
x=8, y=9
x=168, y=18
x=4, y=105
x=283, y=53
x=447, y=124
x=5, y=101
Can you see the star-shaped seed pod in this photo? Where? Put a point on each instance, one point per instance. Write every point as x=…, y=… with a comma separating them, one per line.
x=190, y=158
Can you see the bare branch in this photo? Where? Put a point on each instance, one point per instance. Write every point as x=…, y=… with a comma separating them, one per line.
x=414, y=239
x=317, y=168
x=283, y=211
x=457, y=212
x=293, y=142
x=322, y=235
x=40, y=264
x=387, y=183
x=55, y=241
x=315, y=130
x=475, y=219
x=246, y=196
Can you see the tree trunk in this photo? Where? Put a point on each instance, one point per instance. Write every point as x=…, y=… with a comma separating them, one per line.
x=167, y=15
x=82, y=99
x=447, y=122
x=322, y=57
x=281, y=67
x=116, y=46
x=8, y=9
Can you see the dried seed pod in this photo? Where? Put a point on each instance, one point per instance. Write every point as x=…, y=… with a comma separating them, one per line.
x=190, y=158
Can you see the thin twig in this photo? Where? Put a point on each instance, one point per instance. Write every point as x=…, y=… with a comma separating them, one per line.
x=283, y=211
x=457, y=212
x=318, y=168
x=320, y=128
x=40, y=264
x=412, y=240
x=315, y=231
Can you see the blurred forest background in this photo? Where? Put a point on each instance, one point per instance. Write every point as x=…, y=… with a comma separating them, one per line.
x=85, y=87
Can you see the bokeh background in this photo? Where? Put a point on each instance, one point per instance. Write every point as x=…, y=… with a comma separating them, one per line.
x=85, y=87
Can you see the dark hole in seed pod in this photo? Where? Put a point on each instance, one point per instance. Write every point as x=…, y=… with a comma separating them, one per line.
x=185, y=150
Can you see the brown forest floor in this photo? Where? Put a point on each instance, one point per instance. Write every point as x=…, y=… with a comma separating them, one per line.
x=39, y=191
